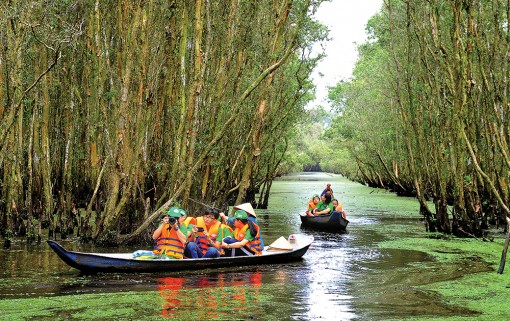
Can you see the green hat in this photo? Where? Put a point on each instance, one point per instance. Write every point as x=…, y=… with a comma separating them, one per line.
x=174, y=212
x=241, y=215
x=182, y=212
x=315, y=195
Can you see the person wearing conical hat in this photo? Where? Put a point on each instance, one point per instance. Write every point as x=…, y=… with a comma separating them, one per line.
x=252, y=216
x=247, y=208
x=246, y=240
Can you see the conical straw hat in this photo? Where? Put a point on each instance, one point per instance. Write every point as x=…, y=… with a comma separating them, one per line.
x=247, y=208
x=281, y=244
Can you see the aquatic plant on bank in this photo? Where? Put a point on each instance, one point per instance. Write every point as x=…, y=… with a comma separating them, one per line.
x=464, y=271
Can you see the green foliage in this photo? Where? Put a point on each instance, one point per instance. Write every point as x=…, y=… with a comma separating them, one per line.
x=417, y=109
x=143, y=98
x=482, y=291
x=109, y=95
x=318, y=141
x=8, y=235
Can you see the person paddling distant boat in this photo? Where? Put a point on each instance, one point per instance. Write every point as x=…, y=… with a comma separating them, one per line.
x=328, y=190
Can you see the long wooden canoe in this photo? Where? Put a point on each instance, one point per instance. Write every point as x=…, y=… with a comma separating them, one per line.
x=124, y=262
x=329, y=223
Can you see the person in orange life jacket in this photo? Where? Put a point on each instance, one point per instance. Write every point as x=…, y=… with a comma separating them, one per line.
x=170, y=236
x=186, y=224
x=206, y=236
x=188, y=221
x=312, y=205
x=325, y=206
x=246, y=236
x=328, y=190
x=252, y=217
x=338, y=207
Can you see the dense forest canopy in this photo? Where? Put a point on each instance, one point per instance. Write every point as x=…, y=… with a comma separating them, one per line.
x=427, y=110
x=112, y=111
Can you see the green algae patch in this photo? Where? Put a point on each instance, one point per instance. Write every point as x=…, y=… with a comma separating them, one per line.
x=463, y=274
x=104, y=306
x=236, y=300
x=450, y=249
x=484, y=292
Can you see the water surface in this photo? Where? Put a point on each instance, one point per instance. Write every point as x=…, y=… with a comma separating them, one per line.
x=342, y=277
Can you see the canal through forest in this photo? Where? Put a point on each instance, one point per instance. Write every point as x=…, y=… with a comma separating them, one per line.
x=342, y=276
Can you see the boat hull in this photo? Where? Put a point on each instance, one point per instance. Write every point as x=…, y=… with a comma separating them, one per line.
x=104, y=262
x=328, y=223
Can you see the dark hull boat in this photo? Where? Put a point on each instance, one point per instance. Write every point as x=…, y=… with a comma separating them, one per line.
x=124, y=262
x=329, y=223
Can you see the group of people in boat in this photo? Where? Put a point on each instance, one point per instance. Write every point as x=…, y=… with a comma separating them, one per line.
x=215, y=234
x=211, y=235
x=325, y=204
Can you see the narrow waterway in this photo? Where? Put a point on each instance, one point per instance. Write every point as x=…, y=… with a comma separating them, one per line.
x=342, y=277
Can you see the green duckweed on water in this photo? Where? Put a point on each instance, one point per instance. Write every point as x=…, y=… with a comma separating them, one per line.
x=386, y=267
x=79, y=307
x=182, y=304
x=463, y=272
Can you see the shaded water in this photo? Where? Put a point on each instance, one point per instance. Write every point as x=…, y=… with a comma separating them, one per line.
x=342, y=277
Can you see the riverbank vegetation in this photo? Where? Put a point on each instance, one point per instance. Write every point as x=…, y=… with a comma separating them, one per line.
x=124, y=108
x=105, y=125
x=461, y=273
x=426, y=112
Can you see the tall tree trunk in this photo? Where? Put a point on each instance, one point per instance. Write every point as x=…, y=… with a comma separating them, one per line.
x=194, y=96
x=260, y=113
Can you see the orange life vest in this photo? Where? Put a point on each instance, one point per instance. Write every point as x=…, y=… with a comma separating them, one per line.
x=213, y=231
x=190, y=220
x=169, y=243
x=239, y=234
x=340, y=209
x=311, y=206
x=253, y=245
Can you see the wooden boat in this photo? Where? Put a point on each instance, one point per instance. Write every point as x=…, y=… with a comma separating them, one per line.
x=124, y=262
x=328, y=223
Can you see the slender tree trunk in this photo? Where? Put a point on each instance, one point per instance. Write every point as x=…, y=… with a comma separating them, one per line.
x=180, y=147
x=505, y=248
x=252, y=157
x=30, y=173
